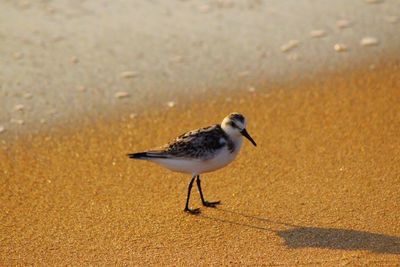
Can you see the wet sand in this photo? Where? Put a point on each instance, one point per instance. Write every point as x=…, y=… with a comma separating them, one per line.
x=321, y=188
x=62, y=60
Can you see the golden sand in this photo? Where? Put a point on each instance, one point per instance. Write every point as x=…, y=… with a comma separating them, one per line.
x=321, y=188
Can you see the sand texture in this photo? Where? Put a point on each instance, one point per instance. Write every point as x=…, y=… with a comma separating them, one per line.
x=69, y=58
x=321, y=188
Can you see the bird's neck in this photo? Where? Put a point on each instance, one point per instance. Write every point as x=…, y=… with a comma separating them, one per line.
x=234, y=138
x=235, y=143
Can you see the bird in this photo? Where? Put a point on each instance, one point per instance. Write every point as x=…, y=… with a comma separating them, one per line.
x=200, y=151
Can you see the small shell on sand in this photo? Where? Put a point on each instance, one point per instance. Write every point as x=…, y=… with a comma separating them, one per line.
x=317, y=33
x=121, y=95
x=129, y=74
x=74, y=60
x=19, y=107
x=204, y=8
x=340, y=47
x=171, y=104
x=369, y=41
x=177, y=59
x=24, y=4
x=251, y=89
x=50, y=10
x=18, y=55
x=343, y=23
x=290, y=45
x=17, y=121
x=2, y=129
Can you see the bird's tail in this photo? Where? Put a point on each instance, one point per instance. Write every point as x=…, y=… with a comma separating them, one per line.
x=147, y=155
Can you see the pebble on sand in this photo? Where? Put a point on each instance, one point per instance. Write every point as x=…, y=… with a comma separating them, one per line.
x=251, y=89
x=74, y=60
x=317, y=33
x=369, y=41
x=129, y=74
x=19, y=107
x=171, y=104
x=290, y=45
x=50, y=10
x=204, y=8
x=177, y=59
x=18, y=55
x=17, y=121
x=343, y=23
x=121, y=95
x=340, y=47
x=2, y=129
x=81, y=88
x=24, y=4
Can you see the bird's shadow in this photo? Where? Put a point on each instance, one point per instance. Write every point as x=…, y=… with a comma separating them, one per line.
x=296, y=236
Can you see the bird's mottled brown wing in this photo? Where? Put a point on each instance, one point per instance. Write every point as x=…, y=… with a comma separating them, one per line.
x=202, y=143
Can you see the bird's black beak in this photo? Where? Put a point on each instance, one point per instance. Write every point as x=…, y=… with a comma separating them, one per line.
x=246, y=134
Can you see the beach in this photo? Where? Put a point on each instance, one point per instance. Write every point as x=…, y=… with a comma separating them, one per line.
x=84, y=83
x=321, y=187
x=69, y=60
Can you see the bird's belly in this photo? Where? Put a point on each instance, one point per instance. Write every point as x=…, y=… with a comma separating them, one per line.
x=198, y=166
x=218, y=162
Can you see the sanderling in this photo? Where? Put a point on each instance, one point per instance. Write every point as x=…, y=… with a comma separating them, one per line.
x=202, y=150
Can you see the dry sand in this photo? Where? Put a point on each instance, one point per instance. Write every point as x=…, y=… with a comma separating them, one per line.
x=321, y=188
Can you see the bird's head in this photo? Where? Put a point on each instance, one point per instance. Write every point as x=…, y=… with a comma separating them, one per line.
x=235, y=125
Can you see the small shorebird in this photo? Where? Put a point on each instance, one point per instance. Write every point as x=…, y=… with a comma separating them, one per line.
x=202, y=150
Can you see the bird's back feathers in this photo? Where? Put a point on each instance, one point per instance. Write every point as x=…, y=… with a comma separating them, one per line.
x=200, y=143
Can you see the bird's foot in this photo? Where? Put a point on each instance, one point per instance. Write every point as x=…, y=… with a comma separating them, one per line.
x=192, y=211
x=211, y=204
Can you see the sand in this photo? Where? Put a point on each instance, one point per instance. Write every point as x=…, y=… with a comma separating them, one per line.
x=66, y=59
x=82, y=83
x=321, y=188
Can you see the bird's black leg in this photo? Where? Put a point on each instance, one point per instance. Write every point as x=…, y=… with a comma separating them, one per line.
x=187, y=209
x=205, y=203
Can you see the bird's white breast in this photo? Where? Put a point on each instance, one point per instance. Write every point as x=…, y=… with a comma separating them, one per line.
x=197, y=166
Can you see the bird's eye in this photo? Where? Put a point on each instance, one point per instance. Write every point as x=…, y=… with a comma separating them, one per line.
x=234, y=125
